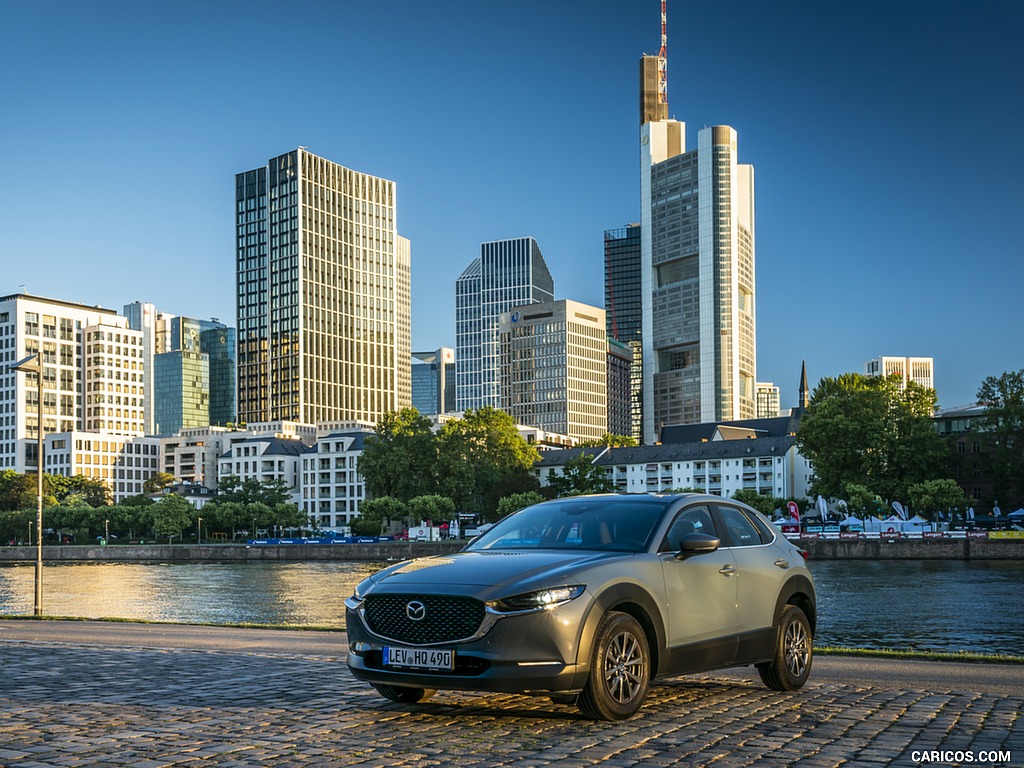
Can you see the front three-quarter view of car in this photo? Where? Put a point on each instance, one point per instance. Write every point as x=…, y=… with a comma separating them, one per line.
x=586, y=600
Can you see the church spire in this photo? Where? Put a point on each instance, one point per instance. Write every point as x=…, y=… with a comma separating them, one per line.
x=805, y=396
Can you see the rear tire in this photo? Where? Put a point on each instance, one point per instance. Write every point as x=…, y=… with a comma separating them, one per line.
x=403, y=694
x=794, y=652
x=620, y=670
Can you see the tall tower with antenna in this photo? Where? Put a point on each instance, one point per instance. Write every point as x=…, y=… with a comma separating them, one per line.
x=654, y=79
x=663, y=59
x=697, y=266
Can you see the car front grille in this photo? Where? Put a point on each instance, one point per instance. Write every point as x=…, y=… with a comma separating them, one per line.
x=445, y=619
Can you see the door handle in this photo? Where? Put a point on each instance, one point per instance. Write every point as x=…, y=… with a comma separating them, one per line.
x=782, y=563
x=727, y=570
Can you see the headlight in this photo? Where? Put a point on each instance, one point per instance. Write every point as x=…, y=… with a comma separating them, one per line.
x=539, y=600
x=358, y=594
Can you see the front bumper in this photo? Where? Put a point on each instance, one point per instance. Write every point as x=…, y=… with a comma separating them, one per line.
x=533, y=653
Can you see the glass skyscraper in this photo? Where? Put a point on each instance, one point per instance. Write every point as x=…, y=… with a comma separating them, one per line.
x=182, y=379
x=623, y=301
x=323, y=279
x=507, y=274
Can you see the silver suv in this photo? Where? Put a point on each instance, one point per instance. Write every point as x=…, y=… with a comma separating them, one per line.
x=585, y=600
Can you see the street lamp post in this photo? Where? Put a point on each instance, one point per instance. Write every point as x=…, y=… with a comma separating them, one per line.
x=34, y=364
x=106, y=531
x=199, y=531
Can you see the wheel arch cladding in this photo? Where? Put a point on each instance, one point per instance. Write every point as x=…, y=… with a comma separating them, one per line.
x=638, y=603
x=798, y=591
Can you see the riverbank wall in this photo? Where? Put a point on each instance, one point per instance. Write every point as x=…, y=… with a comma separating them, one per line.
x=819, y=549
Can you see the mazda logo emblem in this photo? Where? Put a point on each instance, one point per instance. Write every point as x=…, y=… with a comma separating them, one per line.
x=415, y=610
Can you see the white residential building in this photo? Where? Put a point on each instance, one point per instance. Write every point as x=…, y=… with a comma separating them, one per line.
x=265, y=459
x=332, y=488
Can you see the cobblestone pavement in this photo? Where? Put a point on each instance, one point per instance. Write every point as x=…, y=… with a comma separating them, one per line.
x=64, y=705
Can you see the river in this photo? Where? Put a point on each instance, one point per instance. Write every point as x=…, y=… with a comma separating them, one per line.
x=904, y=604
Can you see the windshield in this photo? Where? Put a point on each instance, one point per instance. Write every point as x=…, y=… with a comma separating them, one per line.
x=612, y=523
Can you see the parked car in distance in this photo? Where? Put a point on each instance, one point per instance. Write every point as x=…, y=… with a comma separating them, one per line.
x=586, y=600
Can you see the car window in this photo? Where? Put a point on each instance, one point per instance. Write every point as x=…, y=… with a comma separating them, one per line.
x=739, y=531
x=690, y=520
x=763, y=526
x=613, y=523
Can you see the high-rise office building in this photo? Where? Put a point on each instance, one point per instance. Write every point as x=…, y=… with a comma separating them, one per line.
x=171, y=382
x=507, y=274
x=433, y=381
x=620, y=388
x=324, y=319
x=554, y=368
x=769, y=401
x=920, y=370
x=697, y=249
x=623, y=303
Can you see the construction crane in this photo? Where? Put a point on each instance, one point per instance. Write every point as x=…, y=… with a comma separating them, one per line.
x=663, y=59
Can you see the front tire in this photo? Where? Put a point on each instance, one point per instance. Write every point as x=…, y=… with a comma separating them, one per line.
x=620, y=670
x=403, y=694
x=794, y=651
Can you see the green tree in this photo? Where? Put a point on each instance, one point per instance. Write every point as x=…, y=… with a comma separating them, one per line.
x=1003, y=426
x=376, y=515
x=171, y=515
x=482, y=458
x=398, y=460
x=608, y=440
x=766, y=505
x=157, y=482
x=861, y=501
x=431, y=507
x=517, y=501
x=17, y=491
x=942, y=496
x=580, y=475
x=870, y=432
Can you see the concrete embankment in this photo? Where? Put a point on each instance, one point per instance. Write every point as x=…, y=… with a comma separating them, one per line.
x=820, y=549
x=191, y=553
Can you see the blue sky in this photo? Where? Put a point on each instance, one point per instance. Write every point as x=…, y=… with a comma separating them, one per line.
x=885, y=138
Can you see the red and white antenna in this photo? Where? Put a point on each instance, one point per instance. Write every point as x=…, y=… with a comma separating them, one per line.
x=663, y=59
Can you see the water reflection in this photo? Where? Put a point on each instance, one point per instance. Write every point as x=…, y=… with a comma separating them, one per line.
x=943, y=605
x=924, y=605
x=215, y=593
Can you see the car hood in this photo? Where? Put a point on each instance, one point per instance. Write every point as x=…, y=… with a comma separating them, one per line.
x=497, y=570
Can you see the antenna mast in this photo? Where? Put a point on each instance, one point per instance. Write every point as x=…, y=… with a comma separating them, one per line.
x=663, y=59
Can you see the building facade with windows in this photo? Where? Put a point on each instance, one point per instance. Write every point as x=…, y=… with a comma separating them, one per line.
x=323, y=293
x=121, y=462
x=332, y=488
x=697, y=251
x=71, y=382
x=266, y=460
x=623, y=302
x=769, y=400
x=920, y=370
x=433, y=381
x=507, y=274
x=620, y=388
x=731, y=460
x=554, y=368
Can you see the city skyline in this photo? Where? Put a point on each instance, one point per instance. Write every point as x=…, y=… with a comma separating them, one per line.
x=874, y=203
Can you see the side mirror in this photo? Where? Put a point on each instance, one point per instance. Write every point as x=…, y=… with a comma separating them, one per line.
x=697, y=544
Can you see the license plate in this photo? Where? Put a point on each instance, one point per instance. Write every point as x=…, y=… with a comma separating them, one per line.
x=419, y=658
